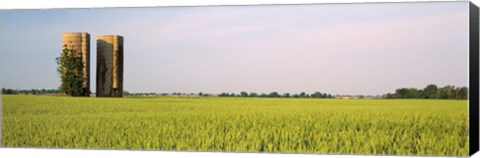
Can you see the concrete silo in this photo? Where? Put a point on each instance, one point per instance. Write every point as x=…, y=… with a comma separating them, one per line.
x=109, y=66
x=80, y=42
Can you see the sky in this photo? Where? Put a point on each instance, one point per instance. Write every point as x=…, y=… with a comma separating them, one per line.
x=367, y=49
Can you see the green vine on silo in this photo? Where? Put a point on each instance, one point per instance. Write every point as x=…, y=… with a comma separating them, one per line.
x=70, y=70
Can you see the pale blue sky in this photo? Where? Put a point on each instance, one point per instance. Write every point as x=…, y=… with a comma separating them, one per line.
x=335, y=48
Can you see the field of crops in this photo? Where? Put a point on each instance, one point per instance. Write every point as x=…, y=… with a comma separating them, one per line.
x=334, y=126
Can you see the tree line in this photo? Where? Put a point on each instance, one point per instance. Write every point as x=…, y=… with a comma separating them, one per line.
x=274, y=95
x=431, y=91
x=30, y=91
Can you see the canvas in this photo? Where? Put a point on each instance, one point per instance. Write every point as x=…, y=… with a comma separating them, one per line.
x=360, y=78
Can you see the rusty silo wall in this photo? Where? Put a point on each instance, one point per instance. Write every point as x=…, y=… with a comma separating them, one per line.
x=109, y=66
x=80, y=41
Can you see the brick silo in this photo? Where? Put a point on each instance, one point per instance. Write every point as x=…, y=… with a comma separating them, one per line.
x=80, y=42
x=109, y=66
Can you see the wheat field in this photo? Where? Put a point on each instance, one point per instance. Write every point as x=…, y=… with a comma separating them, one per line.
x=278, y=125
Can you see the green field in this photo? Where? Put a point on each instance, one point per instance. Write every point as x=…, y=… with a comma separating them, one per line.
x=333, y=126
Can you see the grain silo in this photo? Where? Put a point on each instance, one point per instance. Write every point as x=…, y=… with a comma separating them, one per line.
x=109, y=66
x=80, y=42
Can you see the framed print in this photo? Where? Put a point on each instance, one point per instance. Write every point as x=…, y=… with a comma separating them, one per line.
x=348, y=79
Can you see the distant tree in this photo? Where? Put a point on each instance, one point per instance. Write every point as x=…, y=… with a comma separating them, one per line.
x=273, y=95
x=221, y=94
x=462, y=93
x=430, y=91
x=401, y=93
x=243, y=94
x=252, y=94
x=389, y=96
x=286, y=95
x=324, y=95
x=415, y=93
x=317, y=95
x=302, y=95
x=451, y=92
x=443, y=92
x=263, y=95
x=126, y=93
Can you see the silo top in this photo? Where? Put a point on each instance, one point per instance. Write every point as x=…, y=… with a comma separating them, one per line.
x=75, y=33
x=76, y=39
x=109, y=36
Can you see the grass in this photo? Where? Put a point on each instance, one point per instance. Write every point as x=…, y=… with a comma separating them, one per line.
x=285, y=125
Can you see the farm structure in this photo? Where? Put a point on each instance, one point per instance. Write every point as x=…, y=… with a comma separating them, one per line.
x=80, y=42
x=109, y=66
